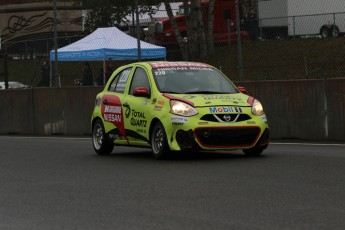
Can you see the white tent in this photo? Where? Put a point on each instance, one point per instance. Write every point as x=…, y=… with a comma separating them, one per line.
x=108, y=44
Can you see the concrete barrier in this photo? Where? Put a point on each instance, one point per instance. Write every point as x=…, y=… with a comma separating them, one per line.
x=64, y=110
x=16, y=112
x=295, y=109
x=298, y=109
x=47, y=111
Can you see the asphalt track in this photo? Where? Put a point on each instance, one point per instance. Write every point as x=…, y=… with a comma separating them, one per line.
x=60, y=183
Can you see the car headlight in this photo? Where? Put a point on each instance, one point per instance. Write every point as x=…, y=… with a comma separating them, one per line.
x=257, y=108
x=181, y=108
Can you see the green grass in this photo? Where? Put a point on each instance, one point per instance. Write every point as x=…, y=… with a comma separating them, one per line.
x=263, y=60
x=284, y=59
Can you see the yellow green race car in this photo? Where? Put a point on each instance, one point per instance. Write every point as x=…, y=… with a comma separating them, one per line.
x=176, y=106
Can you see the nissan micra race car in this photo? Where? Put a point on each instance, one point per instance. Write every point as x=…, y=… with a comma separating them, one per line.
x=176, y=106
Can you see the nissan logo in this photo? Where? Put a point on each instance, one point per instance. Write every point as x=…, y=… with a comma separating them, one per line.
x=227, y=117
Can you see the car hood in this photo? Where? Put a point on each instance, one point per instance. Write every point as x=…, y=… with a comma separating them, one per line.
x=206, y=100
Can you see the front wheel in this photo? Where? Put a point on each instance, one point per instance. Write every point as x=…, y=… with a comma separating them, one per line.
x=101, y=144
x=335, y=31
x=159, y=143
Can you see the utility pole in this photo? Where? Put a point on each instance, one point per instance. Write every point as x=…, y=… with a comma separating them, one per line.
x=138, y=29
x=6, y=67
x=4, y=56
x=239, y=42
x=55, y=80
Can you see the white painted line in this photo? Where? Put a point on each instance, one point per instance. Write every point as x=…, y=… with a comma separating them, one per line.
x=87, y=138
x=307, y=144
x=45, y=137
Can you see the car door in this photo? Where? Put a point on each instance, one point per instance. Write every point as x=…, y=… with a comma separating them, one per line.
x=137, y=109
x=112, y=106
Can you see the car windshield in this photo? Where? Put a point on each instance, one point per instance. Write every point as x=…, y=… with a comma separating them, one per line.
x=192, y=80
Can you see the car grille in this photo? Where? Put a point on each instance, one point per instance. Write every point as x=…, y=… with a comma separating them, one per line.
x=231, y=117
x=227, y=137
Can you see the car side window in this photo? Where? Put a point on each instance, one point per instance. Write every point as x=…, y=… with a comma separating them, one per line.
x=119, y=82
x=139, y=80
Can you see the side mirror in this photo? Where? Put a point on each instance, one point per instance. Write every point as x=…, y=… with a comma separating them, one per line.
x=242, y=89
x=141, y=92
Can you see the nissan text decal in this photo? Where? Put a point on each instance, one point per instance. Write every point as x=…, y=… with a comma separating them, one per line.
x=112, y=113
x=177, y=64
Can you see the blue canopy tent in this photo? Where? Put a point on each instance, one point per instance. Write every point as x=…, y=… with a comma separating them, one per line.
x=108, y=44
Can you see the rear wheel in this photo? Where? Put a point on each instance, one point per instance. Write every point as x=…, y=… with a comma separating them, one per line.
x=159, y=143
x=325, y=32
x=100, y=141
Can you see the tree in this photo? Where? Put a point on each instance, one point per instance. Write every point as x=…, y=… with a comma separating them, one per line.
x=180, y=42
x=105, y=13
x=196, y=32
x=196, y=40
x=249, y=6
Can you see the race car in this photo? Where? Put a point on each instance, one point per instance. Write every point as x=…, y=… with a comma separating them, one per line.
x=176, y=107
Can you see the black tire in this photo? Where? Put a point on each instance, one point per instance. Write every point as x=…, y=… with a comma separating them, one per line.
x=255, y=151
x=325, y=32
x=335, y=31
x=159, y=143
x=101, y=144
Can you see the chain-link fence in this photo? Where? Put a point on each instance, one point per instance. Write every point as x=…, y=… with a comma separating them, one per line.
x=296, y=47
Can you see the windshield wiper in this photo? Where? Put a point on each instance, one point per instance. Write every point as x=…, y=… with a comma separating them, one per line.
x=172, y=92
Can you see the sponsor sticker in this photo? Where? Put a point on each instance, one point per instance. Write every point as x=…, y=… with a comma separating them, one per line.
x=158, y=108
x=160, y=102
x=175, y=119
x=177, y=64
x=225, y=109
x=112, y=109
x=112, y=113
x=222, y=97
x=138, y=118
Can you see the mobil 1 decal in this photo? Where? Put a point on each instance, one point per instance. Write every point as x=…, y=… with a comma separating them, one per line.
x=112, y=112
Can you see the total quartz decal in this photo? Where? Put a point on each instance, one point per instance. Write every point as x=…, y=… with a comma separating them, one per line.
x=138, y=119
